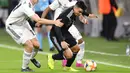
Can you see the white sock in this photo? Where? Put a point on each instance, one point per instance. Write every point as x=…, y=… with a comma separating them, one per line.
x=34, y=53
x=80, y=54
x=26, y=59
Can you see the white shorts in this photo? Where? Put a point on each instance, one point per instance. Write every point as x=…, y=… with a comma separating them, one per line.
x=20, y=32
x=75, y=33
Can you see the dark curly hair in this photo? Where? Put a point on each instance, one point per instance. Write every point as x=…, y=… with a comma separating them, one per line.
x=81, y=5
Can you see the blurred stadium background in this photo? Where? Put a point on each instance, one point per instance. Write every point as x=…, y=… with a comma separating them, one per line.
x=109, y=55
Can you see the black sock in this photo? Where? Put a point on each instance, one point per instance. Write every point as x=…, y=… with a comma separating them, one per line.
x=70, y=61
x=58, y=56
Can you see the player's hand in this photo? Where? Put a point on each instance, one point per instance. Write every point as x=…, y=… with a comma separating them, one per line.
x=64, y=45
x=38, y=25
x=58, y=23
x=84, y=20
x=92, y=16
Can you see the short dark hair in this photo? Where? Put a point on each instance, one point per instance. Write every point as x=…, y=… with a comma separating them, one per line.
x=81, y=5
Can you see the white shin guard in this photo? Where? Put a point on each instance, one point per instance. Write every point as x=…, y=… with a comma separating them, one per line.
x=26, y=59
x=80, y=54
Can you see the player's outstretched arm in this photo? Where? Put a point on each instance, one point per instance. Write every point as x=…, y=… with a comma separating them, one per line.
x=41, y=21
x=83, y=19
x=92, y=16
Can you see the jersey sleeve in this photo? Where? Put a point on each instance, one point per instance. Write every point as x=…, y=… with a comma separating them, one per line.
x=28, y=10
x=54, y=5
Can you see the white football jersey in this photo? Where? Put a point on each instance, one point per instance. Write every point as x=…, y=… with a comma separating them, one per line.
x=21, y=12
x=60, y=5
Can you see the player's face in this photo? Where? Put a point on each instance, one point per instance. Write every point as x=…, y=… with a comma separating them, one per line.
x=78, y=11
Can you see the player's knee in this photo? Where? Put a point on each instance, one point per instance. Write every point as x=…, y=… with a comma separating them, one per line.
x=36, y=45
x=68, y=54
x=80, y=41
x=75, y=48
x=28, y=44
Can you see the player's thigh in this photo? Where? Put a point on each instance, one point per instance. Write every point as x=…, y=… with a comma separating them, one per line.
x=68, y=53
x=28, y=46
x=28, y=33
x=75, y=48
x=72, y=43
x=75, y=33
x=56, y=43
x=70, y=40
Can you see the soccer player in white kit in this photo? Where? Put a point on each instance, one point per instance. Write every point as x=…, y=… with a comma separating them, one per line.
x=59, y=6
x=19, y=29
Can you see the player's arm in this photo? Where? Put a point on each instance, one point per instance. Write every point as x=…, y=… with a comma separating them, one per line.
x=58, y=30
x=92, y=16
x=84, y=20
x=39, y=20
x=53, y=6
x=46, y=11
x=89, y=15
x=27, y=9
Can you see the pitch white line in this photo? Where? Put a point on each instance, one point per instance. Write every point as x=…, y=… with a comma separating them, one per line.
x=103, y=53
x=116, y=65
x=45, y=53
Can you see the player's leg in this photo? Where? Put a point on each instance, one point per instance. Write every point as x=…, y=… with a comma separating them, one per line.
x=49, y=40
x=80, y=54
x=39, y=38
x=53, y=57
x=74, y=48
x=30, y=34
x=75, y=33
x=34, y=52
x=61, y=55
x=31, y=44
x=18, y=33
x=70, y=61
x=39, y=32
x=28, y=46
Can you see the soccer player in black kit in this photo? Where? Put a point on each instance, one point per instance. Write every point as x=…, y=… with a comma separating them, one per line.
x=62, y=39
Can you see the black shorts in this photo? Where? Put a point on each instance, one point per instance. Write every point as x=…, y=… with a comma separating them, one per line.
x=68, y=38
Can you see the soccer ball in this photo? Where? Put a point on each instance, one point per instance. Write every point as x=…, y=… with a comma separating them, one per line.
x=90, y=65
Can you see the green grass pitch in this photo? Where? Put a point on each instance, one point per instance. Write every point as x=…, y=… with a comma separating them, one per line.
x=110, y=56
